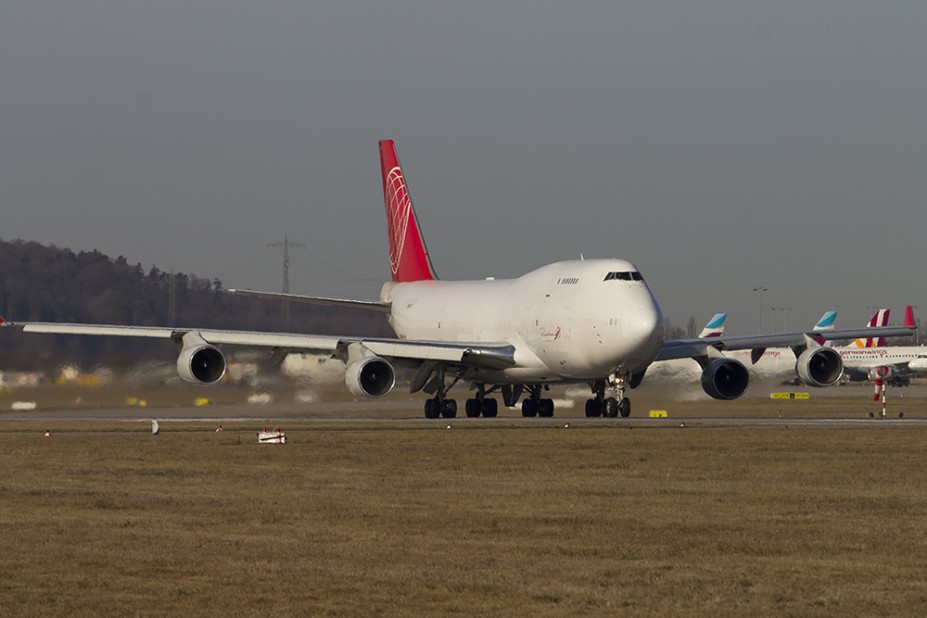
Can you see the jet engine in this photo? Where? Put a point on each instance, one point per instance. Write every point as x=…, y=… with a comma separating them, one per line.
x=819, y=366
x=369, y=376
x=725, y=378
x=200, y=362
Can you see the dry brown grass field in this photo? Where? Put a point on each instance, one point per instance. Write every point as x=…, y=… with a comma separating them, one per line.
x=487, y=518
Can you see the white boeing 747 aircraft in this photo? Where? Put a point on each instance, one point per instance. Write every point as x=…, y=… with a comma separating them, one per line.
x=592, y=321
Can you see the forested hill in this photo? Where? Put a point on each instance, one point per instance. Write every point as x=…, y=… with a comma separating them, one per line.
x=47, y=283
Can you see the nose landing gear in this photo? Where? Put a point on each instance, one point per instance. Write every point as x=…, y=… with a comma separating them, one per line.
x=609, y=407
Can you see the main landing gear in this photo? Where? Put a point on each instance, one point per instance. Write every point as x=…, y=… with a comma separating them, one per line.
x=437, y=407
x=608, y=399
x=441, y=406
x=534, y=405
x=609, y=407
x=481, y=404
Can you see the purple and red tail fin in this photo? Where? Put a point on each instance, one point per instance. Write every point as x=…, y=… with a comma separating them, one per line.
x=880, y=318
x=408, y=256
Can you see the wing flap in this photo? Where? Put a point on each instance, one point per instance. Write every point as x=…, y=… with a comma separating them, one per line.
x=98, y=329
x=485, y=356
x=215, y=337
x=481, y=355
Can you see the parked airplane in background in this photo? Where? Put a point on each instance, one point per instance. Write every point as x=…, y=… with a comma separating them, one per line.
x=878, y=362
x=779, y=362
x=592, y=321
x=879, y=319
x=774, y=363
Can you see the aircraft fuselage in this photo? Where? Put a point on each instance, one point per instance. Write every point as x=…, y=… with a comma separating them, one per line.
x=571, y=320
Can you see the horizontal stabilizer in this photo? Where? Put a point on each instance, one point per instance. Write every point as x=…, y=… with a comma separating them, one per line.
x=369, y=305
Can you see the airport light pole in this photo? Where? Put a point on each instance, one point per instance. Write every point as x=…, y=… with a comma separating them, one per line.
x=760, y=304
x=785, y=317
x=773, y=309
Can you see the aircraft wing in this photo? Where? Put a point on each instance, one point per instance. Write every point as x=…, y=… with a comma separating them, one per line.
x=482, y=355
x=370, y=305
x=689, y=348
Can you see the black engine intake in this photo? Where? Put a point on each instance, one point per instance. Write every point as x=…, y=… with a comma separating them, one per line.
x=200, y=363
x=819, y=366
x=370, y=376
x=725, y=378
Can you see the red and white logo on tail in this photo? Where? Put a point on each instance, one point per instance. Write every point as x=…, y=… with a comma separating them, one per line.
x=880, y=318
x=408, y=256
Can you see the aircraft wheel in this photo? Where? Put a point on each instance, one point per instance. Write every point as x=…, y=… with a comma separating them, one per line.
x=546, y=408
x=529, y=408
x=593, y=408
x=611, y=407
x=472, y=408
x=450, y=408
x=490, y=408
x=624, y=407
x=431, y=408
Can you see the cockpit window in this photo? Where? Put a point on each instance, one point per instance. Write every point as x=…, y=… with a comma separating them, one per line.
x=626, y=275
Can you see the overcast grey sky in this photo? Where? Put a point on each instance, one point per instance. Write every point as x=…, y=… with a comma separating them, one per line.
x=720, y=146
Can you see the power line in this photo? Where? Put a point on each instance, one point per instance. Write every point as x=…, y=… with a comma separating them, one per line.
x=286, y=244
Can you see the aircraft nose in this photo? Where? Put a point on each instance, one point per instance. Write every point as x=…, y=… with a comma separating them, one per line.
x=644, y=323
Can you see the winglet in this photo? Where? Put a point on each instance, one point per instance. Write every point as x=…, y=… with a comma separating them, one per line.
x=408, y=256
x=908, y=316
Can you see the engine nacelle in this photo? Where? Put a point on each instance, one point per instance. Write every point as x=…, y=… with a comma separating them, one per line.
x=819, y=366
x=370, y=376
x=201, y=363
x=725, y=378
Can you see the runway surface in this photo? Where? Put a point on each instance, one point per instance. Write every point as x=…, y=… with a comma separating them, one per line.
x=833, y=407
x=349, y=413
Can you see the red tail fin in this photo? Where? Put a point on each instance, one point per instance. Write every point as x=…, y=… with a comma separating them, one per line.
x=408, y=256
x=909, y=316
